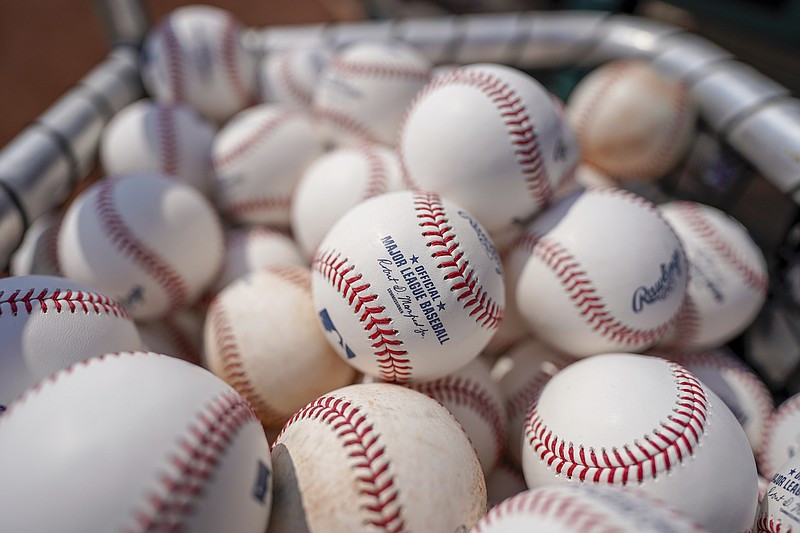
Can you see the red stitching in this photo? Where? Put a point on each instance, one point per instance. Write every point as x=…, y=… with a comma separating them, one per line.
x=790, y=407
x=376, y=177
x=173, y=61
x=693, y=215
x=393, y=363
x=378, y=70
x=768, y=524
x=467, y=393
x=521, y=400
x=126, y=242
x=192, y=463
x=257, y=205
x=268, y=125
x=673, y=439
x=233, y=368
x=578, y=286
x=346, y=122
x=521, y=128
x=61, y=301
x=364, y=447
x=441, y=238
x=229, y=42
x=188, y=350
x=294, y=87
x=168, y=137
x=296, y=275
x=687, y=324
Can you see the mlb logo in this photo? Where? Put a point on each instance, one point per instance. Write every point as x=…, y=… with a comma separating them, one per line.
x=262, y=482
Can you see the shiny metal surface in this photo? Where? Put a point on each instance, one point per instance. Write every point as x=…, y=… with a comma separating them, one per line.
x=124, y=21
x=685, y=56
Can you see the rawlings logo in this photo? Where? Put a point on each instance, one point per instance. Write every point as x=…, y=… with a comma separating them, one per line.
x=662, y=287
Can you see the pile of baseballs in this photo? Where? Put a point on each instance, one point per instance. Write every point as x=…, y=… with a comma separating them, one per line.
x=338, y=290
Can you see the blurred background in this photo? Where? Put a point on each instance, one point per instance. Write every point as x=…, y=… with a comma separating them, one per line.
x=46, y=45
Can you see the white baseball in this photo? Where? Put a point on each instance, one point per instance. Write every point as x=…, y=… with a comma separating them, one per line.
x=727, y=277
x=158, y=444
x=605, y=272
x=408, y=287
x=291, y=76
x=529, y=366
x=38, y=252
x=365, y=89
x=178, y=335
x=337, y=181
x=375, y=457
x=259, y=157
x=490, y=138
x=150, y=242
x=195, y=55
x=252, y=248
x=505, y=481
x=631, y=122
x=778, y=511
x=781, y=440
x=584, y=508
x=168, y=138
x=736, y=385
x=475, y=401
x=49, y=323
x=261, y=336
x=648, y=423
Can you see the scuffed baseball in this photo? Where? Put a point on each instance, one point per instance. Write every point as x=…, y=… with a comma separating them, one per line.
x=258, y=157
x=37, y=254
x=647, y=423
x=604, y=272
x=474, y=399
x=336, y=182
x=168, y=138
x=779, y=511
x=781, y=440
x=158, y=444
x=365, y=90
x=291, y=76
x=408, y=286
x=49, y=323
x=631, y=122
x=177, y=335
x=150, y=242
x=195, y=55
x=375, y=457
x=728, y=277
x=490, y=138
x=261, y=336
x=583, y=508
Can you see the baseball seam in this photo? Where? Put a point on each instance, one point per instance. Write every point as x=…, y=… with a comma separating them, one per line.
x=297, y=275
x=456, y=390
x=348, y=123
x=767, y=524
x=257, y=205
x=173, y=62
x=61, y=300
x=658, y=451
x=234, y=370
x=193, y=463
x=370, y=461
x=687, y=325
x=694, y=217
x=376, y=171
x=441, y=239
x=520, y=401
x=790, y=407
x=187, y=349
x=168, y=137
x=229, y=42
x=130, y=246
x=293, y=86
x=260, y=133
x=514, y=114
x=393, y=363
x=378, y=70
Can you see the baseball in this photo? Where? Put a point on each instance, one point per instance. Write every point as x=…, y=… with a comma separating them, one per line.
x=513, y=328
x=375, y=457
x=150, y=242
x=648, y=423
x=778, y=511
x=167, y=138
x=737, y=386
x=505, y=481
x=781, y=440
x=475, y=401
x=579, y=509
x=252, y=248
x=337, y=181
x=258, y=158
x=631, y=122
x=490, y=138
x=604, y=272
x=365, y=89
x=195, y=55
x=728, y=277
x=178, y=335
x=261, y=336
x=37, y=254
x=290, y=76
x=408, y=286
x=157, y=444
x=49, y=323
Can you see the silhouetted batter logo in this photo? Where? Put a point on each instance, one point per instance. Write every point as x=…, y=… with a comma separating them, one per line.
x=327, y=323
